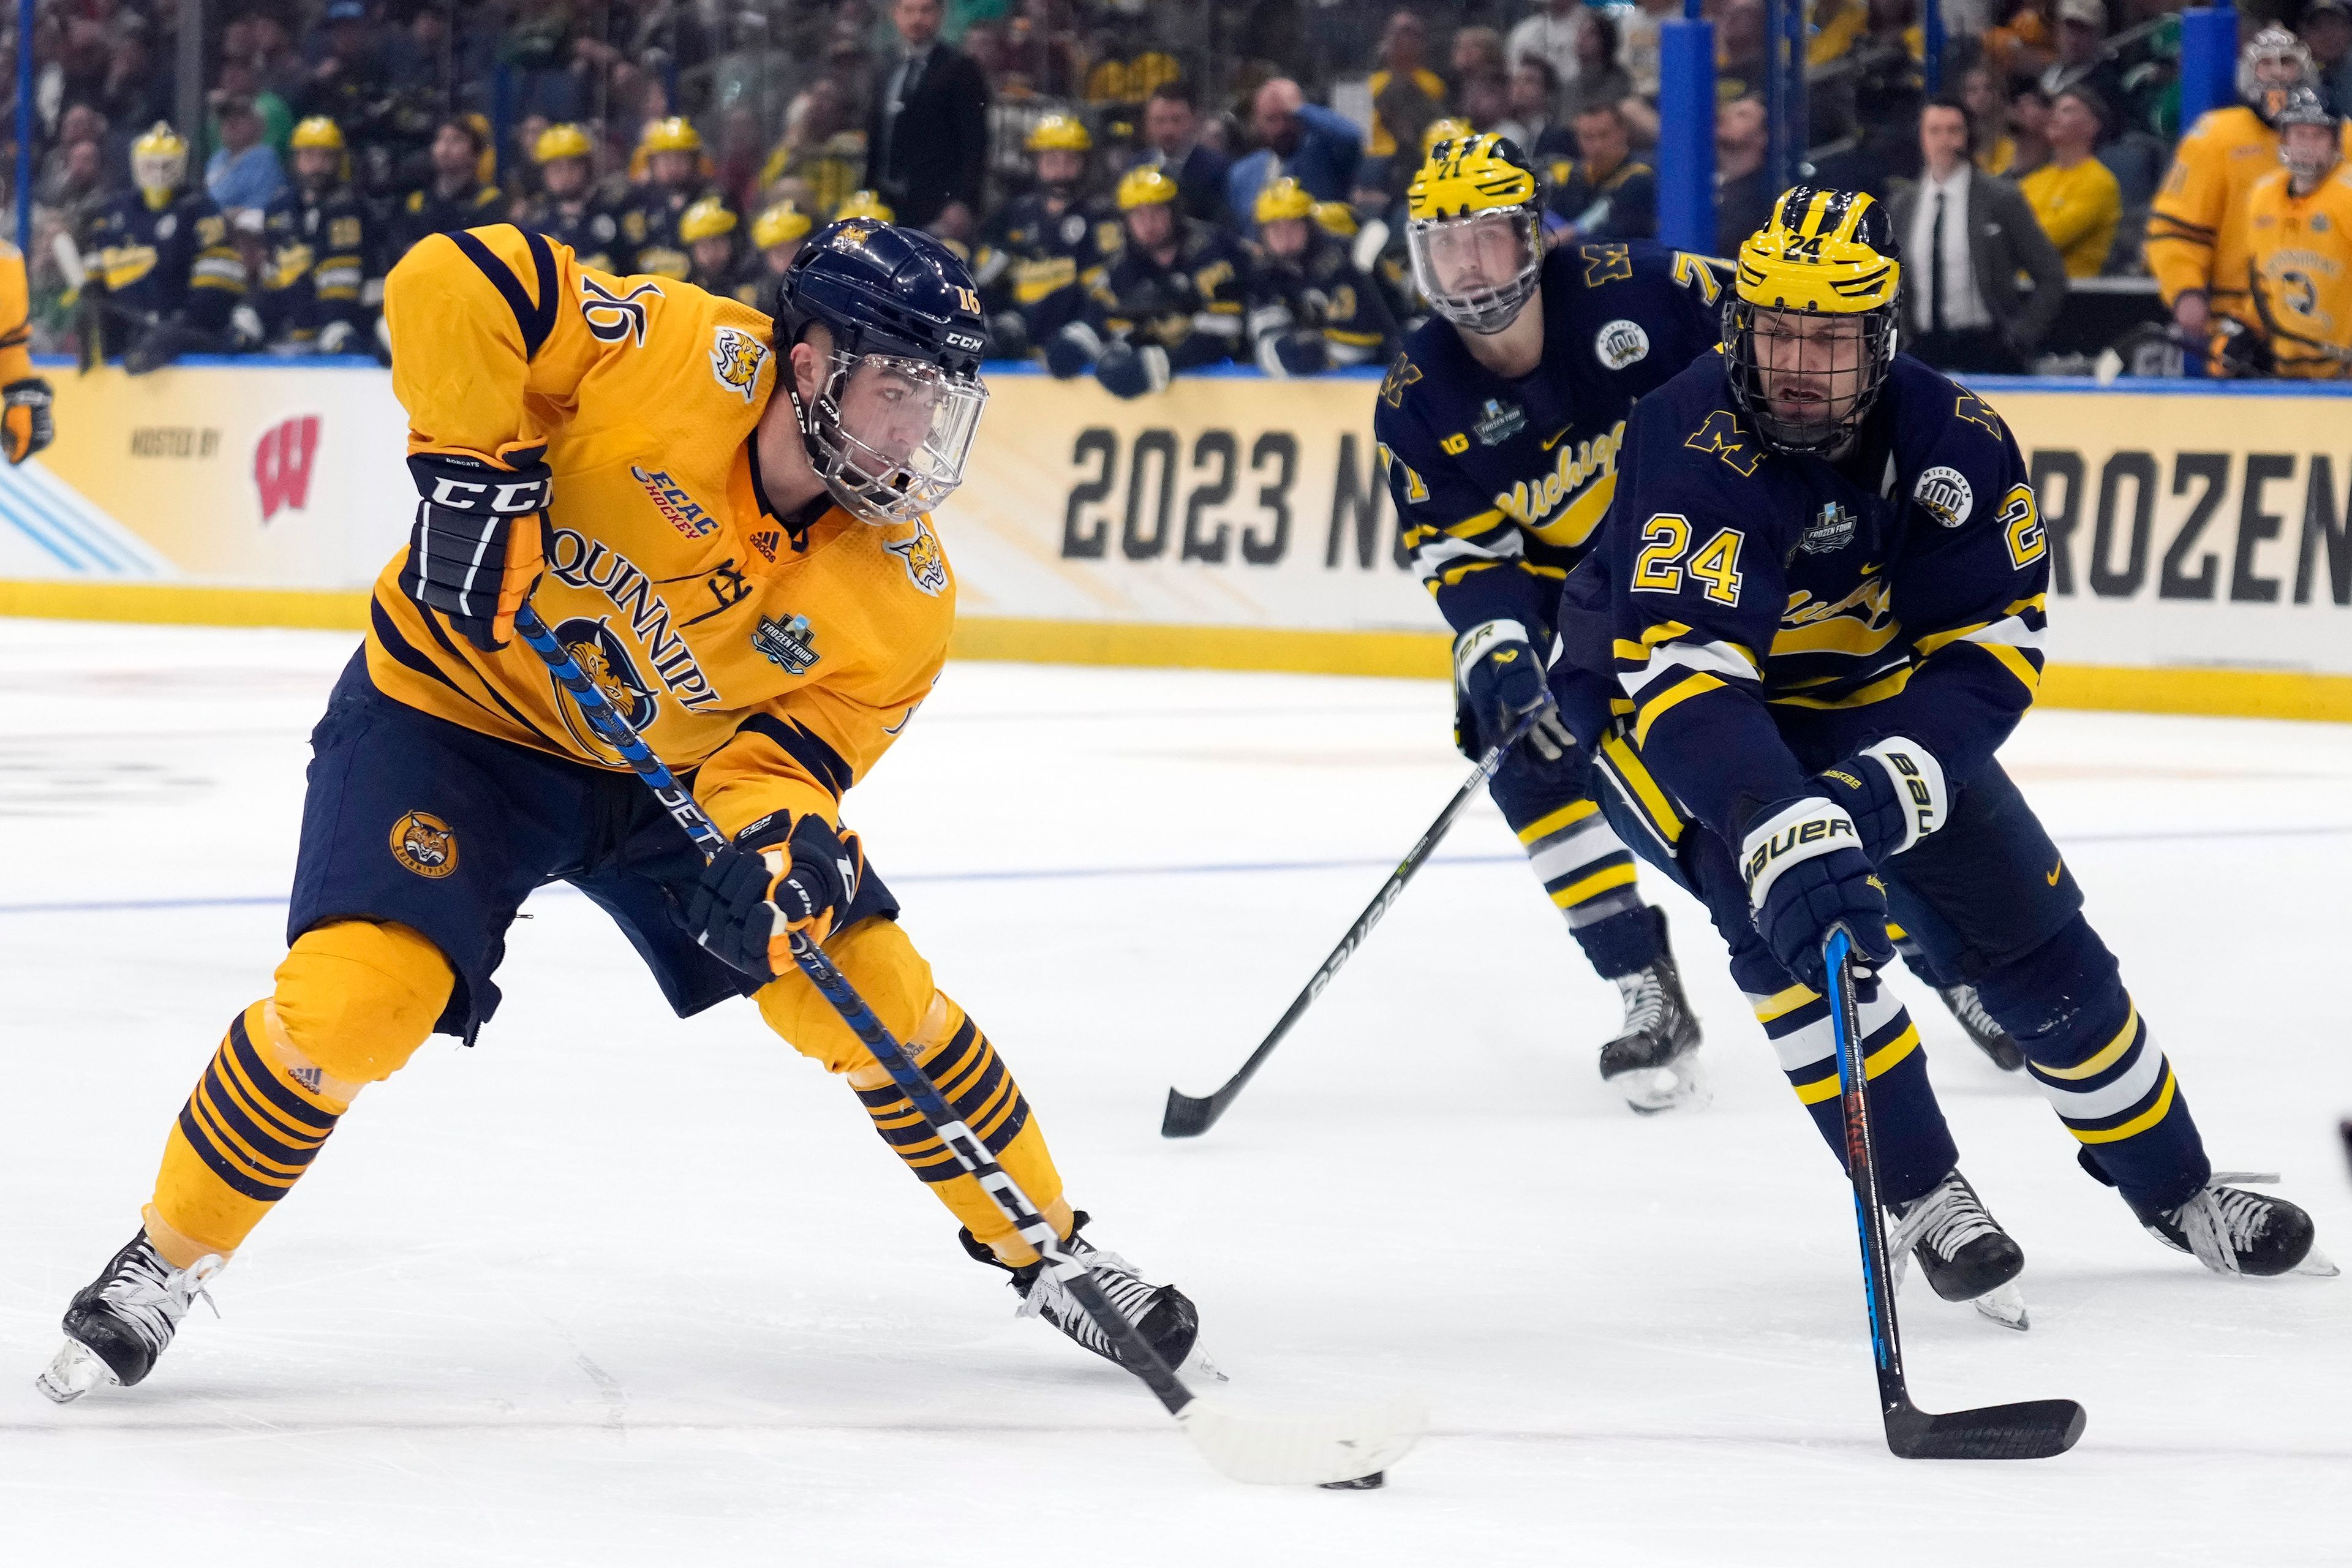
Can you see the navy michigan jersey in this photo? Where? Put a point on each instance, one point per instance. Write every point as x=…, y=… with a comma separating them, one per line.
x=161, y=262
x=325, y=263
x=1501, y=484
x=1765, y=615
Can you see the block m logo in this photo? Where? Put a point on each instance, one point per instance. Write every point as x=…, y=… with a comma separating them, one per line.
x=281, y=465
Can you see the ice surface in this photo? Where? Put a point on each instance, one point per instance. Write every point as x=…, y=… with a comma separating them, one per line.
x=612, y=1288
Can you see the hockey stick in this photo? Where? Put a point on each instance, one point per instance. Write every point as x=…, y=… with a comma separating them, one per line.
x=2035, y=1429
x=1285, y=1450
x=1188, y=1117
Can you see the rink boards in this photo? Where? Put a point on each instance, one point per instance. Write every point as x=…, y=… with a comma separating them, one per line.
x=2201, y=535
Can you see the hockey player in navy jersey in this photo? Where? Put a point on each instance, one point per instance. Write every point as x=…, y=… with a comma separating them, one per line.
x=1500, y=423
x=1816, y=612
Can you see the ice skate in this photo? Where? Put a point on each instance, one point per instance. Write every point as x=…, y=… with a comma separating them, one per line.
x=1655, y=1062
x=1983, y=1030
x=1163, y=1314
x=1962, y=1250
x=2233, y=1231
x=119, y=1323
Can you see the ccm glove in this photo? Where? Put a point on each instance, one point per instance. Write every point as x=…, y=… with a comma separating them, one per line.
x=26, y=423
x=1501, y=682
x=1895, y=792
x=1806, y=872
x=751, y=898
x=474, y=551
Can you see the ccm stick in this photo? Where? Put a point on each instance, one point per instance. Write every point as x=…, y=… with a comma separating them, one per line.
x=1305, y=1448
x=2035, y=1429
x=1188, y=1116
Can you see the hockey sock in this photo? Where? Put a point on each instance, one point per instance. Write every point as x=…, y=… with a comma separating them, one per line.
x=1624, y=942
x=1584, y=868
x=2092, y=1057
x=963, y=1065
x=1915, y=1148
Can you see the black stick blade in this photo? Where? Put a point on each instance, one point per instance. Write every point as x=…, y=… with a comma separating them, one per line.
x=2035, y=1429
x=1187, y=1116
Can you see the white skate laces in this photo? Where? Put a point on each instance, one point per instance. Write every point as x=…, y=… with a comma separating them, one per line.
x=1946, y=1220
x=1114, y=1276
x=1644, y=999
x=147, y=1298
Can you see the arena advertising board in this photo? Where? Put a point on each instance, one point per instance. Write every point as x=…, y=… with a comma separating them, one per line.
x=1232, y=520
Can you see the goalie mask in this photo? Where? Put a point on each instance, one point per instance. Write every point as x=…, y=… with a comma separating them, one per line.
x=893, y=419
x=1809, y=330
x=2274, y=63
x=1472, y=226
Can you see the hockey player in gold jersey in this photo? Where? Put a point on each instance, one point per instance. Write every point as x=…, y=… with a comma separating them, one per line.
x=724, y=518
x=2197, y=225
x=26, y=424
x=2299, y=246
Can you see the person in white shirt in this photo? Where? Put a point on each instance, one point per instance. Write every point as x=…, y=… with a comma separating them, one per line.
x=1967, y=237
x=1551, y=35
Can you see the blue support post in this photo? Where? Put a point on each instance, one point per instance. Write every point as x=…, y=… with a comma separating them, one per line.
x=1686, y=132
x=2209, y=61
x=25, y=125
x=1932, y=31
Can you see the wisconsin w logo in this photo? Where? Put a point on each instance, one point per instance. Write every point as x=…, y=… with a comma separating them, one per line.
x=281, y=464
x=612, y=317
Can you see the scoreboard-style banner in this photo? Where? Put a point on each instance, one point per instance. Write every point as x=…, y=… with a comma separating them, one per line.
x=2200, y=536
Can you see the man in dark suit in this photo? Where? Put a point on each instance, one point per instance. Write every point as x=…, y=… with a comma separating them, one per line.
x=1967, y=236
x=1171, y=126
x=926, y=140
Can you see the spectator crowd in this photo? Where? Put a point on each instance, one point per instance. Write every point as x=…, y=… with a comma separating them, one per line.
x=1145, y=189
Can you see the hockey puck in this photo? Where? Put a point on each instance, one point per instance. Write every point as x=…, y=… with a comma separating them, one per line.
x=1371, y=1483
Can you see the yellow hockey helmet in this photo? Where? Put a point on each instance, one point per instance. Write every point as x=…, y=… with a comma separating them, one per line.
x=1058, y=133
x=1336, y=219
x=1145, y=185
x=1283, y=198
x=562, y=141
x=779, y=225
x=159, y=160
x=675, y=134
x=1472, y=220
x=865, y=205
x=1822, y=254
x=319, y=133
x=708, y=219
x=1445, y=127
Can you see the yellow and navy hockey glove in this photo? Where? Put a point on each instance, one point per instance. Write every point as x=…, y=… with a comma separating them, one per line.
x=1895, y=792
x=474, y=552
x=1806, y=872
x=26, y=423
x=759, y=889
x=1501, y=682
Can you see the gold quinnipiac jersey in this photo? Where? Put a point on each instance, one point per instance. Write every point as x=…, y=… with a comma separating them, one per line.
x=780, y=664
x=15, y=317
x=2299, y=261
x=2196, y=226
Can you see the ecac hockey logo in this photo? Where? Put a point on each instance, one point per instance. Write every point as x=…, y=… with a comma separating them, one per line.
x=281, y=465
x=425, y=845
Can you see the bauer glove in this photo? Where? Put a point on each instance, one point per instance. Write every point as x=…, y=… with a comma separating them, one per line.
x=1895, y=792
x=26, y=423
x=1806, y=872
x=1501, y=682
x=753, y=895
x=474, y=550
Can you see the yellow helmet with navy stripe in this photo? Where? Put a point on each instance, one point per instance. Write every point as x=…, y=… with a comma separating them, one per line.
x=1818, y=282
x=560, y=142
x=675, y=134
x=866, y=204
x=319, y=132
x=1145, y=185
x=709, y=218
x=1058, y=133
x=1473, y=214
x=159, y=161
x=1336, y=219
x=1280, y=199
x=779, y=225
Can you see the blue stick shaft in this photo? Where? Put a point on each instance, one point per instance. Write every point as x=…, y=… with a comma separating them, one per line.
x=1135, y=1352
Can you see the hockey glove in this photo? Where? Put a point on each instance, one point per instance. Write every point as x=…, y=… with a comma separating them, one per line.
x=1072, y=352
x=1895, y=793
x=474, y=550
x=1806, y=872
x=752, y=896
x=26, y=424
x=335, y=338
x=1125, y=371
x=1502, y=682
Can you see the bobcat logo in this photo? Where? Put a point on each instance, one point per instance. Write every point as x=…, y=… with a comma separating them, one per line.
x=605, y=659
x=425, y=845
x=736, y=358
x=927, y=564
x=612, y=317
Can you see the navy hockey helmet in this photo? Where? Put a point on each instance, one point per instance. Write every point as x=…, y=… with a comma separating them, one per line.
x=893, y=421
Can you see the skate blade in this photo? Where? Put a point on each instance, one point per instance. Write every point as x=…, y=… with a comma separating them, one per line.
x=1651, y=1091
x=2003, y=1304
x=2318, y=1265
x=1196, y=1366
x=73, y=1372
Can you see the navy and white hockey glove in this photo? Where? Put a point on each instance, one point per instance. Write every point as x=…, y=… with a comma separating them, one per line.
x=765, y=886
x=1806, y=872
x=1501, y=682
x=474, y=549
x=26, y=423
x=1895, y=792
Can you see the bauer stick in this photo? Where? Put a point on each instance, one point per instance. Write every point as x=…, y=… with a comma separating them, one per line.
x=2035, y=1429
x=1188, y=1117
x=1319, y=1448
